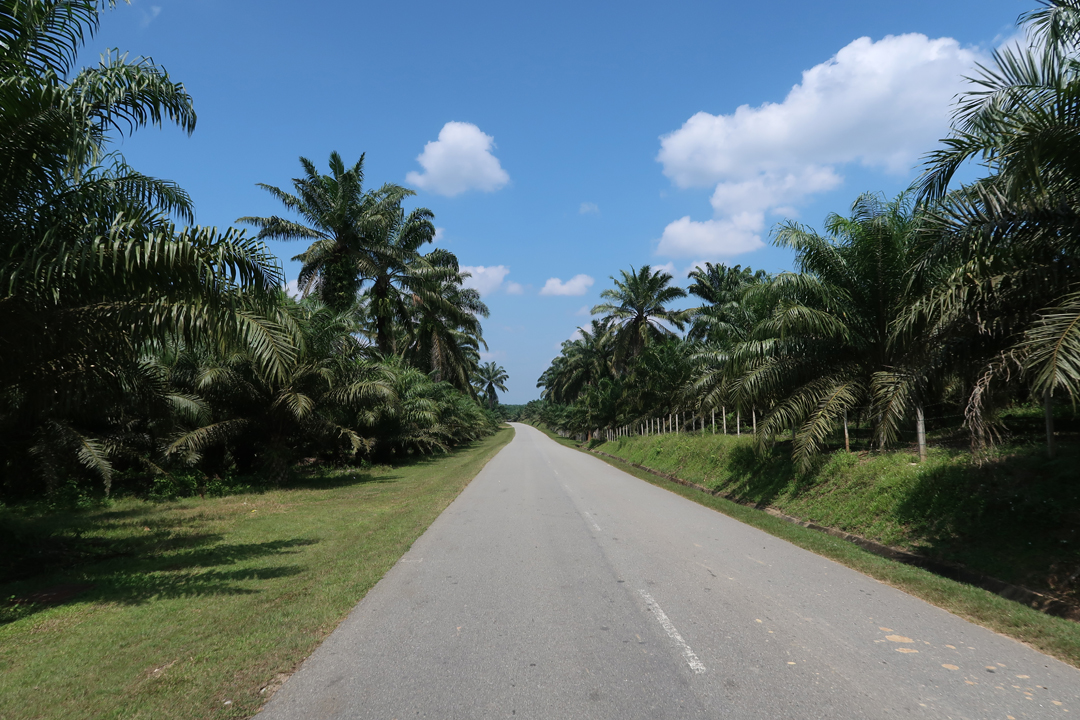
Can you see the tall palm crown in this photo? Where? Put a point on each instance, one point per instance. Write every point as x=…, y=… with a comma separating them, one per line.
x=818, y=354
x=582, y=363
x=726, y=317
x=443, y=330
x=345, y=223
x=401, y=277
x=638, y=312
x=493, y=379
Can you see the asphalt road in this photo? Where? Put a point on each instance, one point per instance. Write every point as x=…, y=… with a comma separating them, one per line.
x=556, y=586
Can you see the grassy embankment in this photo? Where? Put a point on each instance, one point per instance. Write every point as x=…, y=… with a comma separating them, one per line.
x=200, y=608
x=1014, y=518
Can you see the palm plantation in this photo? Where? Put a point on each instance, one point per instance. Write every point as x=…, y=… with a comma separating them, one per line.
x=130, y=343
x=961, y=298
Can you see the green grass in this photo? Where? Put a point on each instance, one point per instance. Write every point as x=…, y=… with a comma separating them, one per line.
x=996, y=517
x=197, y=602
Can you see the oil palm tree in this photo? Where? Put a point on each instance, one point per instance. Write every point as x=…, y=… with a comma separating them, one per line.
x=266, y=422
x=583, y=362
x=443, y=329
x=343, y=222
x=725, y=317
x=637, y=310
x=91, y=268
x=819, y=353
x=492, y=378
x=1011, y=237
x=402, y=277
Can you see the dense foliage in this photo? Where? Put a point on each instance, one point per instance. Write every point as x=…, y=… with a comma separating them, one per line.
x=133, y=347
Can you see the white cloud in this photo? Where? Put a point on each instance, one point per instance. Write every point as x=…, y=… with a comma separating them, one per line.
x=583, y=311
x=292, y=289
x=577, y=285
x=589, y=208
x=513, y=288
x=668, y=267
x=440, y=234
x=713, y=238
x=880, y=105
x=492, y=356
x=458, y=161
x=768, y=191
x=485, y=279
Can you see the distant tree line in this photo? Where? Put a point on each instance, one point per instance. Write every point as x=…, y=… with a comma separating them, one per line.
x=129, y=343
x=964, y=299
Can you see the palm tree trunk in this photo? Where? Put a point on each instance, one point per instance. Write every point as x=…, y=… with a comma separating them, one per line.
x=920, y=431
x=847, y=440
x=738, y=421
x=714, y=421
x=723, y=412
x=1048, y=413
x=753, y=417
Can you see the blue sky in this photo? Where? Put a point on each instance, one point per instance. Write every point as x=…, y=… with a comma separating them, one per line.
x=558, y=143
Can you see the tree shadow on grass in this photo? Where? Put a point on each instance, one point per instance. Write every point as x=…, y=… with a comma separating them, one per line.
x=340, y=478
x=127, y=557
x=1015, y=519
x=139, y=578
x=757, y=478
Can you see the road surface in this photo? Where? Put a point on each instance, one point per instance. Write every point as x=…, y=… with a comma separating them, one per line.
x=556, y=586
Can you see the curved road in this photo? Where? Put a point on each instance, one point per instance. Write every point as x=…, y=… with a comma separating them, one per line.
x=556, y=586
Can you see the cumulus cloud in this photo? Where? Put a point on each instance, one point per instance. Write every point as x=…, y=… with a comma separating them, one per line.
x=577, y=285
x=440, y=234
x=878, y=104
x=513, y=288
x=486, y=280
x=588, y=208
x=458, y=161
x=713, y=238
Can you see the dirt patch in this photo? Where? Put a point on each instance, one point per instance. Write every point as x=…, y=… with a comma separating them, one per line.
x=267, y=691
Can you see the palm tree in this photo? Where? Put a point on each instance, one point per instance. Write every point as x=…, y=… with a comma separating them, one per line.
x=1011, y=237
x=491, y=378
x=402, y=278
x=726, y=317
x=345, y=224
x=443, y=330
x=637, y=311
x=267, y=422
x=583, y=362
x=91, y=268
x=825, y=350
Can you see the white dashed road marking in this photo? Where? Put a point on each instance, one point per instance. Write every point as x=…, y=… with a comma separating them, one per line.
x=669, y=628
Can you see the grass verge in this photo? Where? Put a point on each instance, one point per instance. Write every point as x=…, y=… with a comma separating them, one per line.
x=1051, y=635
x=200, y=608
